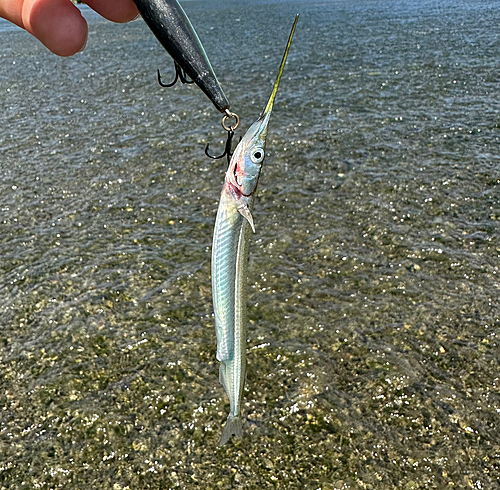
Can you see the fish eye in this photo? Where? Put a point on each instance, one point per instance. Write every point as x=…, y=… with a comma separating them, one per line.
x=257, y=155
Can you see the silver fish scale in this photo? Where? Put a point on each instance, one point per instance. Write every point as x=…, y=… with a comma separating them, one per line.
x=224, y=252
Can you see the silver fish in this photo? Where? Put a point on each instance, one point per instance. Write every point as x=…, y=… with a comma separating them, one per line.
x=229, y=257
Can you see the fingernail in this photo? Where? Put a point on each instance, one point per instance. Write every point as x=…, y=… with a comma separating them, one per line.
x=84, y=44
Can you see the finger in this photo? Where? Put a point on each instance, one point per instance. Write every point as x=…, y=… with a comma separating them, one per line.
x=58, y=24
x=12, y=11
x=114, y=10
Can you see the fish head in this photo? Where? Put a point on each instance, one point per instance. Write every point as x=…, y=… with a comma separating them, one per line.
x=248, y=157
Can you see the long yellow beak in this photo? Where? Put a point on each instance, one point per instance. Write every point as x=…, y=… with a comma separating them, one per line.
x=269, y=106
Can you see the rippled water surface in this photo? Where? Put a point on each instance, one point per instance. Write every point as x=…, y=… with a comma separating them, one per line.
x=374, y=273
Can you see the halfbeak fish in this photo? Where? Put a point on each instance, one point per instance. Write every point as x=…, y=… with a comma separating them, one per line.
x=229, y=257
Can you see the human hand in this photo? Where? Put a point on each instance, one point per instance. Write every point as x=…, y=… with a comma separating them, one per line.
x=58, y=24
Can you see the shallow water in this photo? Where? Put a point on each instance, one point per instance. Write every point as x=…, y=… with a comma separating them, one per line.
x=374, y=273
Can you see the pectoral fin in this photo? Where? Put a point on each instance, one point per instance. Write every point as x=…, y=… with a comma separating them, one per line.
x=245, y=212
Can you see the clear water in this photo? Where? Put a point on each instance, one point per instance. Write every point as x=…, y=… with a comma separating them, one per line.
x=374, y=273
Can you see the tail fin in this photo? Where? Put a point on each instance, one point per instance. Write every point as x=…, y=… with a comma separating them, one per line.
x=233, y=427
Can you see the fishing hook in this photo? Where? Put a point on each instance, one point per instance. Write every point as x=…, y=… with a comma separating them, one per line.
x=230, y=133
x=179, y=75
x=227, y=149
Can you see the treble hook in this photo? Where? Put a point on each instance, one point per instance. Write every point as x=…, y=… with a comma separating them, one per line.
x=227, y=149
x=179, y=75
x=230, y=133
